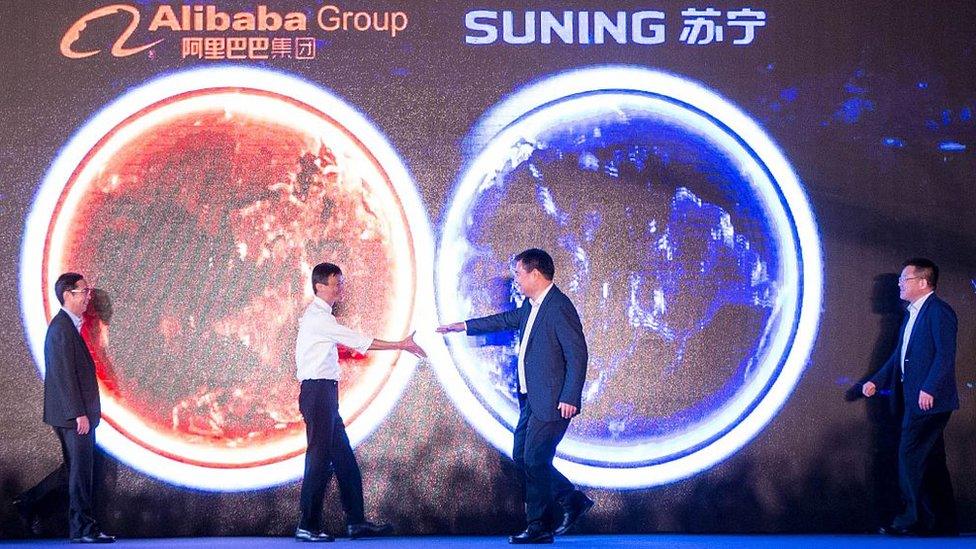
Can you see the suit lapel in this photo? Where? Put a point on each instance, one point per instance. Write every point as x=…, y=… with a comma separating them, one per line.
x=918, y=324
x=79, y=341
x=543, y=309
x=525, y=310
x=901, y=331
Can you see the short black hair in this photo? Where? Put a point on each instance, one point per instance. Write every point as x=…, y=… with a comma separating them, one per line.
x=322, y=272
x=924, y=268
x=66, y=282
x=539, y=260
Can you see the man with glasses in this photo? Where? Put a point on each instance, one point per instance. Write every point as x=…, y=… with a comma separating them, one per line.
x=317, y=357
x=921, y=378
x=72, y=408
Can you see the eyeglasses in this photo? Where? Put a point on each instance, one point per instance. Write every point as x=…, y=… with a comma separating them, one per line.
x=902, y=280
x=85, y=291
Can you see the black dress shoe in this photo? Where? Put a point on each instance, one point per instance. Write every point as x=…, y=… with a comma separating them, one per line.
x=573, y=508
x=24, y=509
x=368, y=530
x=97, y=538
x=307, y=535
x=535, y=533
x=896, y=531
x=27, y=515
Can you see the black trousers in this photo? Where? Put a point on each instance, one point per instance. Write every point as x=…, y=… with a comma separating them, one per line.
x=328, y=450
x=535, y=447
x=922, y=473
x=76, y=472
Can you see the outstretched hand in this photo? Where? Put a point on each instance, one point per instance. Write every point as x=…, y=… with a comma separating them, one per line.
x=409, y=345
x=447, y=328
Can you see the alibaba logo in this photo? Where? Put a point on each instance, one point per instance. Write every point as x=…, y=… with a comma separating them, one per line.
x=118, y=49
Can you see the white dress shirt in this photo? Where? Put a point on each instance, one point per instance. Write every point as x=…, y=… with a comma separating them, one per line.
x=76, y=320
x=913, y=310
x=523, y=343
x=319, y=332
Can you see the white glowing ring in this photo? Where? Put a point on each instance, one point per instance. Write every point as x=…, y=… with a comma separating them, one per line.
x=571, y=94
x=76, y=149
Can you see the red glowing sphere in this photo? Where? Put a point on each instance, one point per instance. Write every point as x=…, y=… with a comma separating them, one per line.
x=199, y=219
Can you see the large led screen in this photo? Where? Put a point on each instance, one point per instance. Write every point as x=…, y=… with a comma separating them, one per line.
x=728, y=191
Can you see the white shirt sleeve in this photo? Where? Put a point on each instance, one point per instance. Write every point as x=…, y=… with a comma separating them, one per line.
x=327, y=328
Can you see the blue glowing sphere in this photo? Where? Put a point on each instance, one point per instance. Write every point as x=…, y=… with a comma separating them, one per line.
x=684, y=239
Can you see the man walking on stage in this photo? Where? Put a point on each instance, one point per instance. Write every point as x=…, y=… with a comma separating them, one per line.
x=921, y=378
x=317, y=358
x=551, y=371
x=72, y=408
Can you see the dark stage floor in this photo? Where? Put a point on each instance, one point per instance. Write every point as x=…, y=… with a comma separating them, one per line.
x=668, y=541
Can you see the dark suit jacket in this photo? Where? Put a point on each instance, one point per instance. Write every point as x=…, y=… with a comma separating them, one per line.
x=70, y=385
x=930, y=360
x=555, y=354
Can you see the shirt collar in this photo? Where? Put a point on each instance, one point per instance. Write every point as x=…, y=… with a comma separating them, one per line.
x=76, y=320
x=322, y=303
x=917, y=304
x=535, y=302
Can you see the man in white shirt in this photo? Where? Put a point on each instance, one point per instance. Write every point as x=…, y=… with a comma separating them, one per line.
x=317, y=358
x=551, y=371
x=921, y=377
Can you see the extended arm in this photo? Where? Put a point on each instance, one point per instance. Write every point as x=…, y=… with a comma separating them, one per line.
x=406, y=344
x=508, y=320
x=347, y=337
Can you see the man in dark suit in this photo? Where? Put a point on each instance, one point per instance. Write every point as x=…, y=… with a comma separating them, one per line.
x=921, y=378
x=72, y=408
x=551, y=371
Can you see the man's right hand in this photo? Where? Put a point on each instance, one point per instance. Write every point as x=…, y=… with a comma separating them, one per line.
x=83, y=425
x=411, y=346
x=447, y=328
x=868, y=389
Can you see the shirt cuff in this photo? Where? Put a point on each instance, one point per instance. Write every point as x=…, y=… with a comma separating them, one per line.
x=365, y=345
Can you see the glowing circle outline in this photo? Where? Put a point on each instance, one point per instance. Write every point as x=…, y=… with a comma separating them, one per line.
x=151, y=92
x=503, y=121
